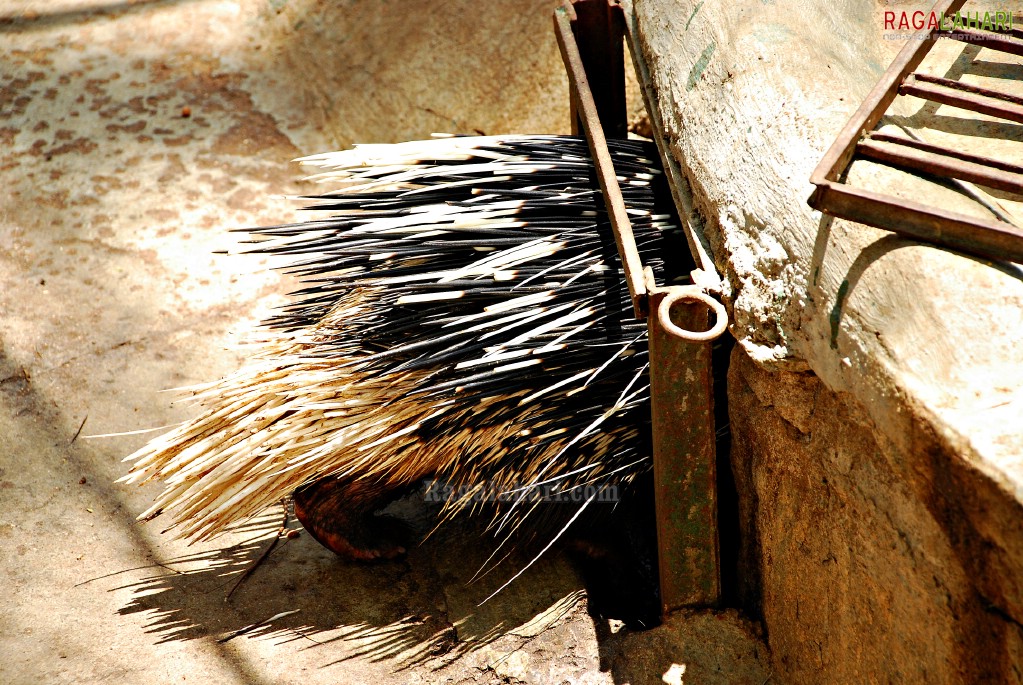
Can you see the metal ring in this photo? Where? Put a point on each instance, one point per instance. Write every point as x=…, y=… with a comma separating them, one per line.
x=679, y=295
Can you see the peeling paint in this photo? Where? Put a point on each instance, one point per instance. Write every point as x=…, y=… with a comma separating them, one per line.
x=698, y=67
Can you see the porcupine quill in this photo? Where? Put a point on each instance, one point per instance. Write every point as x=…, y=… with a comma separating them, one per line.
x=463, y=318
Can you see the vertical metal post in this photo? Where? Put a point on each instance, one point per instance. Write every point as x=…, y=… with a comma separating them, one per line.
x=684, y=444
x=599, y=28
x=590, y=33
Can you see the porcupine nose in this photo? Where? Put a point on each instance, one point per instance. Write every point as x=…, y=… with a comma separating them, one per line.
x=325, y=510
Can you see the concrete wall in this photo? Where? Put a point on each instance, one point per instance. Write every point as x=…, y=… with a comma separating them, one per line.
x=867, y=561
x=876, y=395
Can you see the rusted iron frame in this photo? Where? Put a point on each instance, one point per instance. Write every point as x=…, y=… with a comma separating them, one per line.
x=934, y=160
x=984, y=237
x=836, y=160
x=685, y=459
x=924, y=223
x=973, y=99
x=682, y=409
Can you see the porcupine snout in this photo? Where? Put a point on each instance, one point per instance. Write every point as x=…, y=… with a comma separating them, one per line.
x=338, y=516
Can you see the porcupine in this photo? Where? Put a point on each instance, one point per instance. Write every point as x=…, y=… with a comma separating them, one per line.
x=463, y=318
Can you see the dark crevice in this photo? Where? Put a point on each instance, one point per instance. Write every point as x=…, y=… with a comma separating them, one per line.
x=728, y=496
x=995, y=610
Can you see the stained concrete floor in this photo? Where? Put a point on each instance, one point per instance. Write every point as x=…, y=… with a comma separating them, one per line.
x=132, y=136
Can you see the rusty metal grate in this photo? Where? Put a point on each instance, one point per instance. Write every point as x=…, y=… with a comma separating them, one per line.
x=1000, y=237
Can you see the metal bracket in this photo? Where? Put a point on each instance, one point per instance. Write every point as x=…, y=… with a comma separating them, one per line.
x=679, y=334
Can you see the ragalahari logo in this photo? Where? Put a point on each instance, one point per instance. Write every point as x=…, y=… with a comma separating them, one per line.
x=920, y=20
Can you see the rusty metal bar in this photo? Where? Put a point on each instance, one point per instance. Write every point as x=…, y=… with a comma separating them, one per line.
x=983, y=102
x=870, y=111
x=967, y=87
x=587, y=113
x=992, y=239
x=916, y=142
x=573, y=101
x=685, y=469
x=994, y=41
x=932, y=159
x=999, y=211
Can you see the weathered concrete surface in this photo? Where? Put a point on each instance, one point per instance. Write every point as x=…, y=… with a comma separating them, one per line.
x=701, y=648
x=113, y=204
x=863, y=573
x=879, y=438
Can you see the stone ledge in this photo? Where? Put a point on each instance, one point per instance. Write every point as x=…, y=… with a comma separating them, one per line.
x=915, y=345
